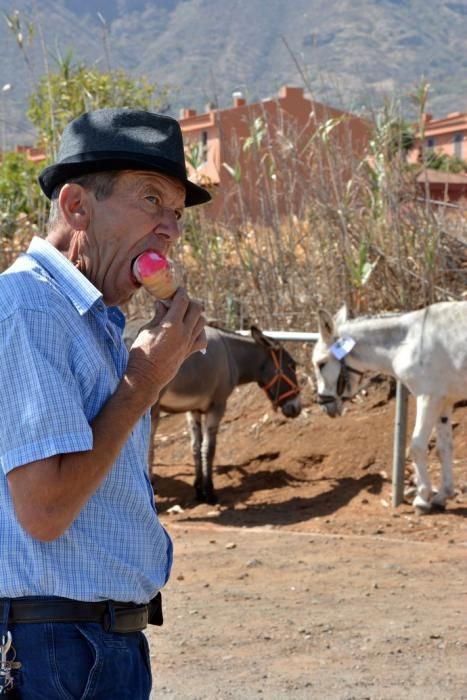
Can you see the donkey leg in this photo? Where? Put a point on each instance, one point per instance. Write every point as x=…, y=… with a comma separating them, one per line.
x=444, y=449
x=195, y=430
x=208, y=454
x=428, y=409
x=211, y=428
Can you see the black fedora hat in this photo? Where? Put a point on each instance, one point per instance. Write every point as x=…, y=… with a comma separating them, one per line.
x=121, y=139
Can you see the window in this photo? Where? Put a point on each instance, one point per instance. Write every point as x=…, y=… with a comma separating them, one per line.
x=458, y=140
x=430, y=143
x=204, y=147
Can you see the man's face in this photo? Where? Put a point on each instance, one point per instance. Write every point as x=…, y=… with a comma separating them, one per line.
x=141, y=213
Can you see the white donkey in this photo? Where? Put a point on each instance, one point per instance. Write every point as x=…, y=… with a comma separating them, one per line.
x=426, y=350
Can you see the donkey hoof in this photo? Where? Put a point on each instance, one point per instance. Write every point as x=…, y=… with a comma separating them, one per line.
x=438, y=507
x=439, y=499
x=421, y=506
x=211, y=498
x=199, y=495
x=203, y=496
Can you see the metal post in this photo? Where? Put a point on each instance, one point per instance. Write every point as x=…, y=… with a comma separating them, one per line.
x=294, y=336
x=400, y=436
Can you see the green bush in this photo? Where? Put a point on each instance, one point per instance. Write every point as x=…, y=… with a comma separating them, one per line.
x=445, y=163
x=20, y=194
x=73, y=89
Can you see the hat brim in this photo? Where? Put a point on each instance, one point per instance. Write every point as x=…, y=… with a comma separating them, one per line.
x=59, y=173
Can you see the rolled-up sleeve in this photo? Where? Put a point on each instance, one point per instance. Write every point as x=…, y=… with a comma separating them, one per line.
x=39, y=392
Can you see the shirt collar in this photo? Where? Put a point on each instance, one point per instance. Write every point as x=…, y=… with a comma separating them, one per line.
x=74, y=285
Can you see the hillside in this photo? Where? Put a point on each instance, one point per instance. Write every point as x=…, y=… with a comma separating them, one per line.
x=349, y=53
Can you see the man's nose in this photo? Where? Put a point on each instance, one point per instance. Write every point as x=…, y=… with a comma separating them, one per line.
x=169, y=225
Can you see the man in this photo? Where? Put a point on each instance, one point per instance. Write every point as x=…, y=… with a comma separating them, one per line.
x=83, y=554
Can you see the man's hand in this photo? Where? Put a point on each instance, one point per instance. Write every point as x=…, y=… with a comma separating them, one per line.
x=49, y=494
x=162, y=345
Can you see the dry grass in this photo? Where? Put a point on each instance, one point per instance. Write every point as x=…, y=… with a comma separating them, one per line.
x=366, y=239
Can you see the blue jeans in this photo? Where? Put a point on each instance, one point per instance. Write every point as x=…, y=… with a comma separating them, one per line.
x=62, y=661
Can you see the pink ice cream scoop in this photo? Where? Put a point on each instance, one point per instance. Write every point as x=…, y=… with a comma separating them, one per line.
x=155, y=272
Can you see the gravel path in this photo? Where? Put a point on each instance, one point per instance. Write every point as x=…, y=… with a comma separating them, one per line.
x=269, y=613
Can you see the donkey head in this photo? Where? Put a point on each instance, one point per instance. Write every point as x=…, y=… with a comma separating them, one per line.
x=278, y=376
x=335, y=380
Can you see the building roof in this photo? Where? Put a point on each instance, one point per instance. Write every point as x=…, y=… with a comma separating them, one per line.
x=439, y=177
x=453, y=122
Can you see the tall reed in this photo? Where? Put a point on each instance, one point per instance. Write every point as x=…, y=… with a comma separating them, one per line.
x=365, y=235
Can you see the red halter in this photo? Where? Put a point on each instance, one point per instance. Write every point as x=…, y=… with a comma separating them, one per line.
x=278, y=376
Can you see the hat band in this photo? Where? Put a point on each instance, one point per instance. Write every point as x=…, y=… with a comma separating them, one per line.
x=120, y=158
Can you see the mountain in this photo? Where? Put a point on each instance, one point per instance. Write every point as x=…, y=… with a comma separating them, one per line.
x=347, y=53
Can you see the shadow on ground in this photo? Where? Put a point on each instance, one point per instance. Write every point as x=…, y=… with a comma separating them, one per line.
x=235, y=509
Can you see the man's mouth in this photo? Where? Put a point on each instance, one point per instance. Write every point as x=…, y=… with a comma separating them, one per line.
x=134, y=281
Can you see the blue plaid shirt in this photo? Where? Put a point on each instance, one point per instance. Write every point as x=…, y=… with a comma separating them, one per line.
x=61, y=357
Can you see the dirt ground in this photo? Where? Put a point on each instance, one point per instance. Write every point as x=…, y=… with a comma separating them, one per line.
x=304, y=581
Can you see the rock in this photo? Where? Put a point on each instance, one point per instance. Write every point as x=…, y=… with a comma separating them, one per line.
x=175, y=509
x=253, y=563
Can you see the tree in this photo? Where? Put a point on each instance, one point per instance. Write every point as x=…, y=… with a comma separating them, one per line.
x=60, y=97
x=74, y=89
x=20, y=195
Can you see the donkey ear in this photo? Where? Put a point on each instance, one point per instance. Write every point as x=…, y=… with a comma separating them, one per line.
x=341, y=316
x=261, y=339
x=326, y=326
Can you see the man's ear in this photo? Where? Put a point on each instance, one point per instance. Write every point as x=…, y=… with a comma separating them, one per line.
x=75, y=206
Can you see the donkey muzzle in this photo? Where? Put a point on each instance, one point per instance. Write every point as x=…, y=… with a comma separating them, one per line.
x=330, y=405
x=291, y=408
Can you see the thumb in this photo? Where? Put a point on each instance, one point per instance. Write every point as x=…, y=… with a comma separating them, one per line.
x=160, y=311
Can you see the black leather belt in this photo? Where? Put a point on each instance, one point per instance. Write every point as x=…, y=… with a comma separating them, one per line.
x=113, y=616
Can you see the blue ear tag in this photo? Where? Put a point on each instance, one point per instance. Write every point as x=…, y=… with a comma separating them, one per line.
x=342, y=347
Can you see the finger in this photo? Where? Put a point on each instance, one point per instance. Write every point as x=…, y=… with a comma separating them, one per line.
x=200, y=342
x=199, y=327
x=192, y=306
x=178, y=304
x=200, y=302
x=193, y=315
x=160, y=311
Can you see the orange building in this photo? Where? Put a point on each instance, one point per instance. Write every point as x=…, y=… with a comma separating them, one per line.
x=449, y=136
x=260, y=157
x=262, y=160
